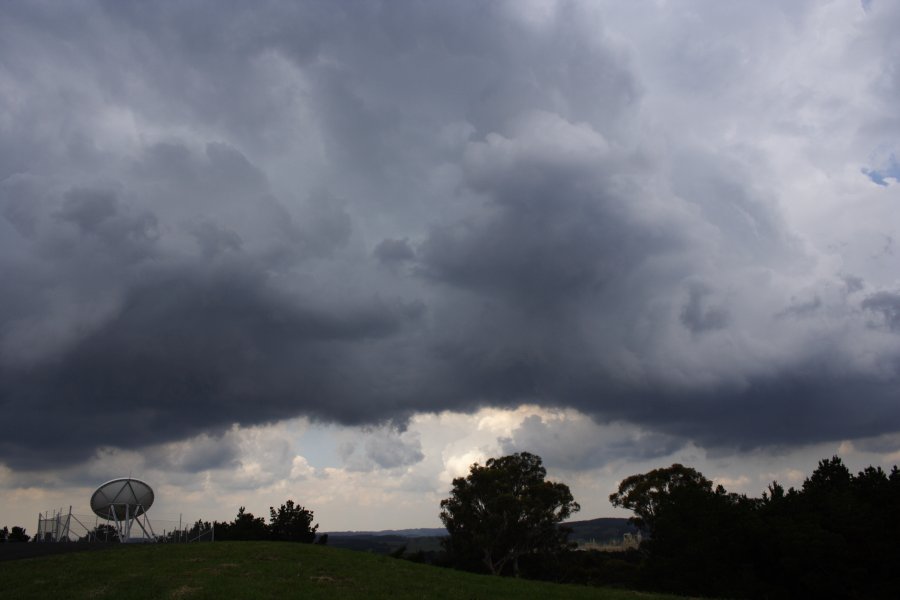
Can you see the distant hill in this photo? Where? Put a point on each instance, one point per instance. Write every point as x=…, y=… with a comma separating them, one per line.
x=407, y=533
x=428, y=539
x=389, y=540
x=600, y=530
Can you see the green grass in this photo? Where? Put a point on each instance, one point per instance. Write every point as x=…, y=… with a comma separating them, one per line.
x=263, y=570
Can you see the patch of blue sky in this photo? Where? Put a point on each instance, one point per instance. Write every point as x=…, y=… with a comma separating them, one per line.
x=883, y=175
x=318, y=444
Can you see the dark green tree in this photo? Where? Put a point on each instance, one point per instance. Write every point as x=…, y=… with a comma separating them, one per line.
x=838, y=534
x=200, y=531
x=101, y=533
x=106, y=533
x=701, y=540
x=4, y=533
x=644, y=494
x=17, y=534
x=292, y=523
x=835, y=537
x=246, y=526
x=504, y=510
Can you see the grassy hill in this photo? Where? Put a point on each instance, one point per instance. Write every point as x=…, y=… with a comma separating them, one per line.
x=263, y=570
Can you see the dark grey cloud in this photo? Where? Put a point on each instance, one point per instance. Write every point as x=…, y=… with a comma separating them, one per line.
x=214, y=241
x=555, y=228
x=886, y=305
x=394, y=251
x=214, y=214
x=202, y=453
x=583, y=446
x=698, y=316
x=96, y=215
x=193, y=350
x=884, y=444
x=853, y=283
x=802, y=308
x=187, y=327
x=385, y=449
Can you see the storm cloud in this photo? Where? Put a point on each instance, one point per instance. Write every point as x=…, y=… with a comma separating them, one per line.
x=216, y=214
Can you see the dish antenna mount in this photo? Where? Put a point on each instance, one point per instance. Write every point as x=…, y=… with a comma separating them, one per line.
x=125, y=501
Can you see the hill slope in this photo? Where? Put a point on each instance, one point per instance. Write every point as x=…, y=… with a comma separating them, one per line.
x=263, y=570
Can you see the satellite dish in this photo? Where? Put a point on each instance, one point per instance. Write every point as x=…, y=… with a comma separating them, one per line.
x=123, y=500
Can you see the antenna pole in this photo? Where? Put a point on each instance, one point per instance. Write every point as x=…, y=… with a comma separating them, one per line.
x=68, y=525
x=127, y=522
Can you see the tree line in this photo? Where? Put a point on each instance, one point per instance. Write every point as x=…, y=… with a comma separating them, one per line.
x=289, y=523
x=16, y=534
x=837, y=536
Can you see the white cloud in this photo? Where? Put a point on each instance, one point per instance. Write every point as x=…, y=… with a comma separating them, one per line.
x=271, y=465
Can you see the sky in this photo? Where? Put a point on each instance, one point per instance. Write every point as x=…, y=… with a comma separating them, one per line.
x=339, y=251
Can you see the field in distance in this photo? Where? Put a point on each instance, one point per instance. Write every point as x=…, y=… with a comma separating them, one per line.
x=264, y=570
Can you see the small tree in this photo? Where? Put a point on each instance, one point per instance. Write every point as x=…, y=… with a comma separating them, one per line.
x=17, y=534
x=246, y=526
x=105, y=532
x=200, y=530
x=506, y=509
x=292, y=523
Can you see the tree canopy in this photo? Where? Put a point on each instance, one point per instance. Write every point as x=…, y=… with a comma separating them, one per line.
x=246, y=526
x=645, y=493
x=292, y=523
x=17, y=534
x=506, y=509
x=834, y=537
x=103, y=532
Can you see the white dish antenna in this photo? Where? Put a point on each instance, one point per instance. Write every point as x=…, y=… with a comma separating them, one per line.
x=124, y=501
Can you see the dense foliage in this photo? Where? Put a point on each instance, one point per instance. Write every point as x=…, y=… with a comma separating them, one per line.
x=290, y=523
x=246, y=526
x=646, y=494
x=103, y=532
x=836, y=537
x=504, y=510
x=16, y=534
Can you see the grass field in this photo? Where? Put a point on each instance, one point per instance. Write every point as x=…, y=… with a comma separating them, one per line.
x=263, y=570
